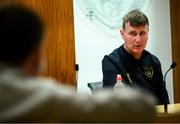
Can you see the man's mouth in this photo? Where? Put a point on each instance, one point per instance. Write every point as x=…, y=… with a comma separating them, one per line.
x=138, y=46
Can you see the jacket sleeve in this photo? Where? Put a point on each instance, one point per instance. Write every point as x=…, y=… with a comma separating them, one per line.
x=163, y=94
x=163, y=91
x=109, y=73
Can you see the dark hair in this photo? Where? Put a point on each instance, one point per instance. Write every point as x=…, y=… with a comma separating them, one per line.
x=21, y=31
x=135, y=18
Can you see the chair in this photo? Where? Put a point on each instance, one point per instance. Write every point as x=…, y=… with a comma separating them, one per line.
x=95, y=86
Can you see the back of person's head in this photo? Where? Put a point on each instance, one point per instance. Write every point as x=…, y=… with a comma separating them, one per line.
x=5, y=3
x=135, y=18
x=21, y=31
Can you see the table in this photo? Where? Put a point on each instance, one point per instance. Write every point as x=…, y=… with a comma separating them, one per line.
x=173, y=114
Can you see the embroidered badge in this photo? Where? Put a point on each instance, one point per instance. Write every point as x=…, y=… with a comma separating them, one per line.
x=148, y=71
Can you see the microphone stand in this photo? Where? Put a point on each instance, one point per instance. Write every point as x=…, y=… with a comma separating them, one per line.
x=164, y=91
x=77, y=69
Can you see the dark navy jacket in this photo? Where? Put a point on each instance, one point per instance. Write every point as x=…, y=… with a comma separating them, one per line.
x=145, y=73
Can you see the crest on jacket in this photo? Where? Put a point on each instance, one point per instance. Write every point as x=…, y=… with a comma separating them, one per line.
x=148, y=71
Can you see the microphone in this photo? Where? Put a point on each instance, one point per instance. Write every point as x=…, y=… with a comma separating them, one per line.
x=171, y=67
x=165, y=102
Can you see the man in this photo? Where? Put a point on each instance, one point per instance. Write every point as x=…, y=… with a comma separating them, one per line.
x=138, y=67
x=27, y=98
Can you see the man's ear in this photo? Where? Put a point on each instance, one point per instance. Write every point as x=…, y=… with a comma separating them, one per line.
x=122, y=33
x=32, y=63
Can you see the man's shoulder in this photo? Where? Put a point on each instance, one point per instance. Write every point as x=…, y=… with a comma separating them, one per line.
x=152, y=57
x=114, y=55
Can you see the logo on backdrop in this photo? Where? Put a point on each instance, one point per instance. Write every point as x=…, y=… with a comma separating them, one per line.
x=106, y=15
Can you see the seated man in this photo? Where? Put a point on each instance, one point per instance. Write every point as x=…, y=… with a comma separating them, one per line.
x=138, y=67
x=24, y=97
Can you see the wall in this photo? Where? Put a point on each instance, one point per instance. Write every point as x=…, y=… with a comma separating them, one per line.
x=92, y=44
x=175, y=22
x=59, y=47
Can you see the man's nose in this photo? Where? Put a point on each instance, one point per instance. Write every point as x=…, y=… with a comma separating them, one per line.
x=138, y=38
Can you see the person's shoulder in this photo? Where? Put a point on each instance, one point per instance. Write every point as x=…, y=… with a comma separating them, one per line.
x=114, y=55
x=48, y=84
x=153, y=57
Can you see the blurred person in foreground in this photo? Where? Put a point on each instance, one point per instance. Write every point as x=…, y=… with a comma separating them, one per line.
x=138, y=67
x=24, y=97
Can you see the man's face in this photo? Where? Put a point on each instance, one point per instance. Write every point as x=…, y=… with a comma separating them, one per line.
x=135, y=38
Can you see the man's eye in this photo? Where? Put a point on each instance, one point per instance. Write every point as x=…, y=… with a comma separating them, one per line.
x=133, y=33
x=142, y=33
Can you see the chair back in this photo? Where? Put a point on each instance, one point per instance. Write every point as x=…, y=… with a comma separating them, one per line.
x=95, y=86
